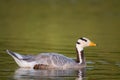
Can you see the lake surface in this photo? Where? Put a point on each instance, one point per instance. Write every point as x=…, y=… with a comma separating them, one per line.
x=32, y=27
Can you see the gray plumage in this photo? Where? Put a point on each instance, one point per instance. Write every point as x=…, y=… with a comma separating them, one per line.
x=54, y=59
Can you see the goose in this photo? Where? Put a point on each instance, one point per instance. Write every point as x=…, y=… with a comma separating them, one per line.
x=53, y=60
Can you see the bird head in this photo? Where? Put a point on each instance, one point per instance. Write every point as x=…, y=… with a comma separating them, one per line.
x=84, y=42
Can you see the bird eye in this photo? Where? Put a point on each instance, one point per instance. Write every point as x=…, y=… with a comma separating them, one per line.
x=78, y=42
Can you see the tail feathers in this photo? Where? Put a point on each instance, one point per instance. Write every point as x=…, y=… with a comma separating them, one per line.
x=21, y=60
x=14, y=55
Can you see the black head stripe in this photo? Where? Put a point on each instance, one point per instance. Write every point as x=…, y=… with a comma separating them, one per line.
x=78, y=42
x=83, y=39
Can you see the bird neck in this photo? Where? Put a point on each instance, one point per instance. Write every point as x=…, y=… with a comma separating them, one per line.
x=80, y=56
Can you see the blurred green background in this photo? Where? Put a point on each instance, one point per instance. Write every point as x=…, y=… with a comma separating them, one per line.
x=32, y=26
x=57, y=21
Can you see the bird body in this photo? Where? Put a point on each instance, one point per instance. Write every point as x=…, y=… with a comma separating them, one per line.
x=53, y=60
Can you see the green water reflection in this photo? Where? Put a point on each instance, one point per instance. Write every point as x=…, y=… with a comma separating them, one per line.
x=28, y=26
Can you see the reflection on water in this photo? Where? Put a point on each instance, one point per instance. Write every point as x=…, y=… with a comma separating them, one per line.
x=26, y=74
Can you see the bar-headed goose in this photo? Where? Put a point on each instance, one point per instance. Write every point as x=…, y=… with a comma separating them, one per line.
x=53, y=60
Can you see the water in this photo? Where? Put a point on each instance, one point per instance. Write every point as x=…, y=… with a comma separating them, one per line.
x=31, y=27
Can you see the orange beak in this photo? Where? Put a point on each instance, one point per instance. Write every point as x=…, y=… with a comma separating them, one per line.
x=92, y=44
